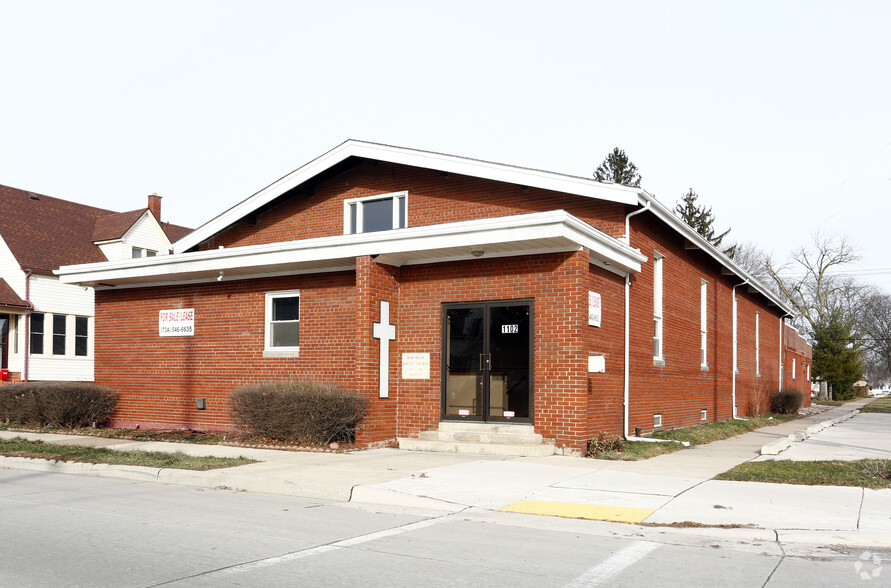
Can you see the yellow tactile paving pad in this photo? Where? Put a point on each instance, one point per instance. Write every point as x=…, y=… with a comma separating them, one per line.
x=595, y=512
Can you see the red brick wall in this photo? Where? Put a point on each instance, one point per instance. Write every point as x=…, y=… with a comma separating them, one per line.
x=556, y=282
x=680, y=389
x=160, y=378
x=432, y=199
x=797, y=348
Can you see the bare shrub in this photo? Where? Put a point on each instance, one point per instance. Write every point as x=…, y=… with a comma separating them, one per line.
x=309, y=413
x=603, y=443
x=786, y=401
x=56, y=404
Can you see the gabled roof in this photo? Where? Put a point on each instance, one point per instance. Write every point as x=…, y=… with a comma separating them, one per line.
x=333, y=160
x=353, y=149
x=114, y=225
x=8, y=297
x=44, y=233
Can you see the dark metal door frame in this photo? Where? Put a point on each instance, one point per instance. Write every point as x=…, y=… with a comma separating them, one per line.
x=484, y=373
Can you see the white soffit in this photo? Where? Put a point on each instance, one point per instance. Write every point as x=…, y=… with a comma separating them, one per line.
x=496, y=237
x=580, y=186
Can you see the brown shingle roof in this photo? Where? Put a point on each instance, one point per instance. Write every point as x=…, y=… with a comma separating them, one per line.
x=115, y=224
x=8, y=297
x=175, y=232
x=44, y=233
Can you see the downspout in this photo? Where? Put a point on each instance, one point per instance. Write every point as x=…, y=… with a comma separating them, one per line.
x=26, y=344
x=626, y=387
x=735, y=350
x=782, y=349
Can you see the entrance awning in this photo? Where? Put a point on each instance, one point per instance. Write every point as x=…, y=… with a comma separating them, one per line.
x=527, y=234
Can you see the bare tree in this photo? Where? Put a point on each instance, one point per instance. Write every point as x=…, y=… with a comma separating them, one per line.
x=828, y=303
x=874, y=324
x=754, y=260
x=810, y=282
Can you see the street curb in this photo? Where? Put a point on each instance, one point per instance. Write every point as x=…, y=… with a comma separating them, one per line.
x=374, y=495
x=778, y=446
x=210, y=479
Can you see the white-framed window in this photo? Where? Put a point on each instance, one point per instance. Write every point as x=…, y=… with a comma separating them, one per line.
x=657, y=421
x=808, y=372
x=703, y=415
x=282, y=334
x=59, y=332
x=793, y=368
x=35, y=345
x=81, y=336
x=658, y=356
x=143, y=252
x=703, y=324
x=758, y=344
x=15, y=334
x=375, y=213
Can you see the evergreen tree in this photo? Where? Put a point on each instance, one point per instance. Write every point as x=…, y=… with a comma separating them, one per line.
x=702, y=220
x=837, y=358
x=616, y=167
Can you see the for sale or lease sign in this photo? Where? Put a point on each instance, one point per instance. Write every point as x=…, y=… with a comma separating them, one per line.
x=177, y=322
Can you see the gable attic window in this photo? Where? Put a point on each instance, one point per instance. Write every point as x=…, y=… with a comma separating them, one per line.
x=375, y=213
x=142, y=252
x=282, y=324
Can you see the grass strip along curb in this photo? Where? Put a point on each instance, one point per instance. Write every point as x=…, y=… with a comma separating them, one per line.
x=698, y=435
x=19, y=447
x=882, y=405
x=863, y=473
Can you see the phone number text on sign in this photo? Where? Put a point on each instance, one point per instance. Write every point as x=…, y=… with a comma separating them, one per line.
x=179, y=322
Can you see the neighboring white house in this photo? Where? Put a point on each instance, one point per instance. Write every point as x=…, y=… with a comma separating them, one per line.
x=46, y=327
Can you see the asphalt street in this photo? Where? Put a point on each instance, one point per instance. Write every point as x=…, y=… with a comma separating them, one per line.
x=61, y=530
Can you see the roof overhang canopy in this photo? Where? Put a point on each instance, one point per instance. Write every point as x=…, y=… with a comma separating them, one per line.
x=527, y=234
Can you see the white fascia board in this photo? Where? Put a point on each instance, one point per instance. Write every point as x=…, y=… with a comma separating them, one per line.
x=664, y=214
x=580, y=186
x=516, y=228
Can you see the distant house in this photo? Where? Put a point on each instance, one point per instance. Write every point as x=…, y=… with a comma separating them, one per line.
x=46, y=327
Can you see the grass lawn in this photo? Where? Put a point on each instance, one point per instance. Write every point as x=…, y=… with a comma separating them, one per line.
x=19, y=447
x=864, y=473
x=878, y=405
x=636, y=450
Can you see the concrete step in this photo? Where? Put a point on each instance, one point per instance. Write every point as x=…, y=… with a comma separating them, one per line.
x=482, y=437
x=522, y=450
x=474, y=427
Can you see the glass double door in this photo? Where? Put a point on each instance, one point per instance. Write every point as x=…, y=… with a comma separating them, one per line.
x=487, y=348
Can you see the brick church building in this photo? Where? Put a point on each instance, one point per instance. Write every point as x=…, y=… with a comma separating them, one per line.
x=450, y=292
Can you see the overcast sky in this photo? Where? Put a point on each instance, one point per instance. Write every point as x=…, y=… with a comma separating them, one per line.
x=778, y=114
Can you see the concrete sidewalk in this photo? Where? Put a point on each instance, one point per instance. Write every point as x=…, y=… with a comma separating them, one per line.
x=669, y=490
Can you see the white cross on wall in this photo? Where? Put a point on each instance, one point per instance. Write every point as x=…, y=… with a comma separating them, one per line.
x=386, y=333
